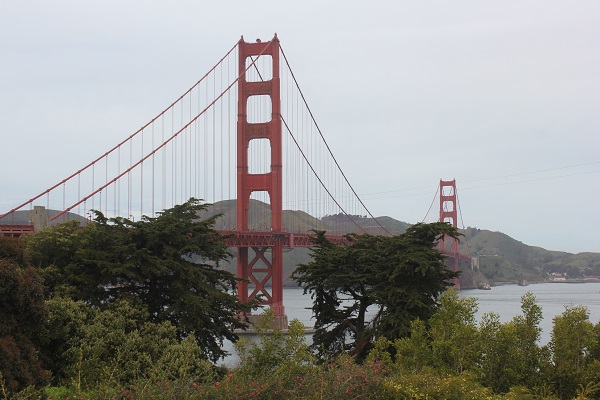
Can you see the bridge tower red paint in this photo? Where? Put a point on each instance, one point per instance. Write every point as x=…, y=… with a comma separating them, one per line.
x=448, y=214
x=260, y=270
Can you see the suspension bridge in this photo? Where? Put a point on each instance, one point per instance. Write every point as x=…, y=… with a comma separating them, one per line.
x=244, y=139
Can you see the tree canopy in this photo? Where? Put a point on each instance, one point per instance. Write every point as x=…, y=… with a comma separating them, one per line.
x=395, y=279
x=169, y=263
x=22, y=316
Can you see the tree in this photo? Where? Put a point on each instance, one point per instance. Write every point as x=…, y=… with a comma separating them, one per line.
x=51, y=250
x=510, y=352
x=398, y=278
x=496, y=365
x=454, y=334
x=528, y=357
x=170, y=263
x=414, y=353
x=63, y=332
x=571, y=342
x=22, y=317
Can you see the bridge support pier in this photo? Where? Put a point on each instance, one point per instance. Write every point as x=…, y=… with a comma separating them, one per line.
x=260, y=274
x=39, y=218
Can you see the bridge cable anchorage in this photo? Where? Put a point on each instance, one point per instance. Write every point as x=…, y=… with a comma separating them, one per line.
x=118, y=146
x=194, y=119
x=327, y=146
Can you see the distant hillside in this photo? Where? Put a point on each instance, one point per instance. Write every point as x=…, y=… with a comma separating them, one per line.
x=22, y=218
x=299, y=221
x=504, y=259
x=498, y=258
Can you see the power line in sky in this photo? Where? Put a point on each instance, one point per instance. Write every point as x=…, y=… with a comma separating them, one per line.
x=434, y=187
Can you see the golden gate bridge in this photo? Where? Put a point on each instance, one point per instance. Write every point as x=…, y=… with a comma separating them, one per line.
x=244, y=139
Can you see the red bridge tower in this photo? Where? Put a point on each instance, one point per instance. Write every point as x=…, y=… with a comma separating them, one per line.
x=448, y=214
x=259, y=270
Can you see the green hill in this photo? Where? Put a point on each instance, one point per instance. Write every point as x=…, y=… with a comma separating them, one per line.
x=504, y=259
x=497, y=258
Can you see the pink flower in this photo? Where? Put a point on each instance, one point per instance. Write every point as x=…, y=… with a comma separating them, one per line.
x=217, y=383
x=376, y=371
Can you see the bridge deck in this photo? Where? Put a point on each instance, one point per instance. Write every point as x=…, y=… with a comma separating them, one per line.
x=232, y=238
x=15, y=230
x=267, y=239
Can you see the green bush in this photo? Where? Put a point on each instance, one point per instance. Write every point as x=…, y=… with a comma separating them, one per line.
x=429, y=385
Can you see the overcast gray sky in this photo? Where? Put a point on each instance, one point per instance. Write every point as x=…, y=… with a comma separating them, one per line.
x=504, y=96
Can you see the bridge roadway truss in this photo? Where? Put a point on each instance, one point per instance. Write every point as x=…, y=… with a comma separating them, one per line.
x=270, y=239
x=15, y=230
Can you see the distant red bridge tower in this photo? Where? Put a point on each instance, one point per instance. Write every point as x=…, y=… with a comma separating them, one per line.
x=448, y=214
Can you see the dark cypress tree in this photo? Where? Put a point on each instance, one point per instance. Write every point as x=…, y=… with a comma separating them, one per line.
x=396, y=279
x=22, y=318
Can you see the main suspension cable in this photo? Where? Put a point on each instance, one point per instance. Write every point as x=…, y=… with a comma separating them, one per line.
x=118, y=146
x=157, y=148
x=327, y=145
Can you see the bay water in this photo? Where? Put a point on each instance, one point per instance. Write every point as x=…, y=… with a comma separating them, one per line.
x=502, y=300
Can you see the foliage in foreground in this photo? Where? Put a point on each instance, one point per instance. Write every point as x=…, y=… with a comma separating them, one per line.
x=427, y=364
x=169, y=264
x=22, y=315
x=110, y=342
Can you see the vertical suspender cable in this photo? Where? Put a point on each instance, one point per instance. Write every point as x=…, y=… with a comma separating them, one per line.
x=229, y=210
x=221, y=155
x=214, y=161
x=106, y=182
x=462, y=223
x=78, y=190
x=190, y=154
x=93, y=177
x=164, y=167
x=64, y=200
x=152, y=183
x=205, y=155
x=198, y=147
x=118, y=198
x=142, y=179
x=129, y=188
x=173, y=161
